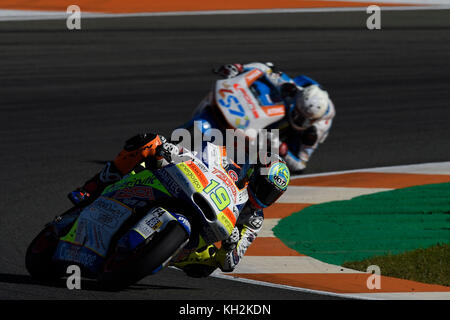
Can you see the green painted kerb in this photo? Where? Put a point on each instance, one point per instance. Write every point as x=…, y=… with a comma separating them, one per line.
x=386, y=222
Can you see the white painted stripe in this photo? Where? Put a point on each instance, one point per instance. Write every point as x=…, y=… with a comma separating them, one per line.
x=287, y=264
x=297, y=194
x=281, y=286
x=23, y=15
x=422, y=168
x=361, y=296
x=304, y=264
x=218, y=274
x=418, y=2
x=266, y=230
x=442, y=168
x=407, y=295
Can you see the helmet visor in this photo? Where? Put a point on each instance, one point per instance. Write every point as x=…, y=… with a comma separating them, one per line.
x=264, y=191
x=268, y=188
x=299, y=120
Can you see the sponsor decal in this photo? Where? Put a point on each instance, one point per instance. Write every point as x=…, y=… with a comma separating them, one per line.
x=222, y=92
x=185, y=222
x=70, y=252
x=145, y=178
x=233, y=175
x=226, y=223
x=279, y=175
x=171, y=185
x=230, y=215
x=247, y=98
x=242, y=196
x=98, y=223
x=191, y=177
x=153, y=221
x=232, y=104
x=142, y=192
x=252, y=76
x=227, y=180
x=238, y=124
x=198, y=172
x=273, y=110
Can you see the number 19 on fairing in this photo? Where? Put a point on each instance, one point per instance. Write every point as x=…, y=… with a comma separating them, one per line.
x=218, y=195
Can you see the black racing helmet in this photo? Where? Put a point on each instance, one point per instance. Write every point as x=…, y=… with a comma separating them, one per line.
x=268, y=182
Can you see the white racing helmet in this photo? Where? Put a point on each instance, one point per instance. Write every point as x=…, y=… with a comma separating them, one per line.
x=311, y=104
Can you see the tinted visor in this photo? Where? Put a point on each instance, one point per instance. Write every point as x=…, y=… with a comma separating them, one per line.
x=298, y=118
x=264, y=190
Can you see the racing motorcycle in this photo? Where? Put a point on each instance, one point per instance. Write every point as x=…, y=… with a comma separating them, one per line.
x=141, y=223
x=242, y=103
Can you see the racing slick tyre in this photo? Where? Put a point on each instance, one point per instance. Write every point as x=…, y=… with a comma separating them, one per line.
x=122, y=270
x=38, y=258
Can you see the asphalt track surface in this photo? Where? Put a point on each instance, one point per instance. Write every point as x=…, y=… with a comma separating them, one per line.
x=69, y=99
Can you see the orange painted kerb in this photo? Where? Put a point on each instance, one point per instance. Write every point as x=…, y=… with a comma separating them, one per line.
x=343, y=282
x=270, y=247
x=371, y=180
x=135, y=6
x=282, y=210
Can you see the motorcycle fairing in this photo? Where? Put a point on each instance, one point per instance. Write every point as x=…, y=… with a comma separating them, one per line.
x=239, y=106
x=153, y=222
x=143, y=178
x=156, y=220
x=88, y=241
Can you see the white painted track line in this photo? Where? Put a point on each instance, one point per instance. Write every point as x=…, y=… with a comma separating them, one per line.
x=421, y=168
x=297, y=194
x=287, y=264
x=24, y=15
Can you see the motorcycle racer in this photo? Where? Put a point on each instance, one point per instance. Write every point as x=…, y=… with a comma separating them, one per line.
x=309, y=111
x=156, y=152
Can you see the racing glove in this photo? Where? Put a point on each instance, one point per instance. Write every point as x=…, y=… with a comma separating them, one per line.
x=166, y=153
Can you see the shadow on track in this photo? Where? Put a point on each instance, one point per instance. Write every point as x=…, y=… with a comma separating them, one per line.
x=86, y=284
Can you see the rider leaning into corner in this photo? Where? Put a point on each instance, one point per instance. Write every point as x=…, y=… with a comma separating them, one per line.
x=309, y=111
x=157, y=152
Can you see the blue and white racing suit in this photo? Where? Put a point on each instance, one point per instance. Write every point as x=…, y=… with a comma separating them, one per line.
x=300, y=143
x=296, y=146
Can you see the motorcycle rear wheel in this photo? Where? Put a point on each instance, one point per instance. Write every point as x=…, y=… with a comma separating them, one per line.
x=38, y=257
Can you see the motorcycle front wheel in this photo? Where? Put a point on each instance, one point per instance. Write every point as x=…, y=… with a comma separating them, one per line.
x=121, y=271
